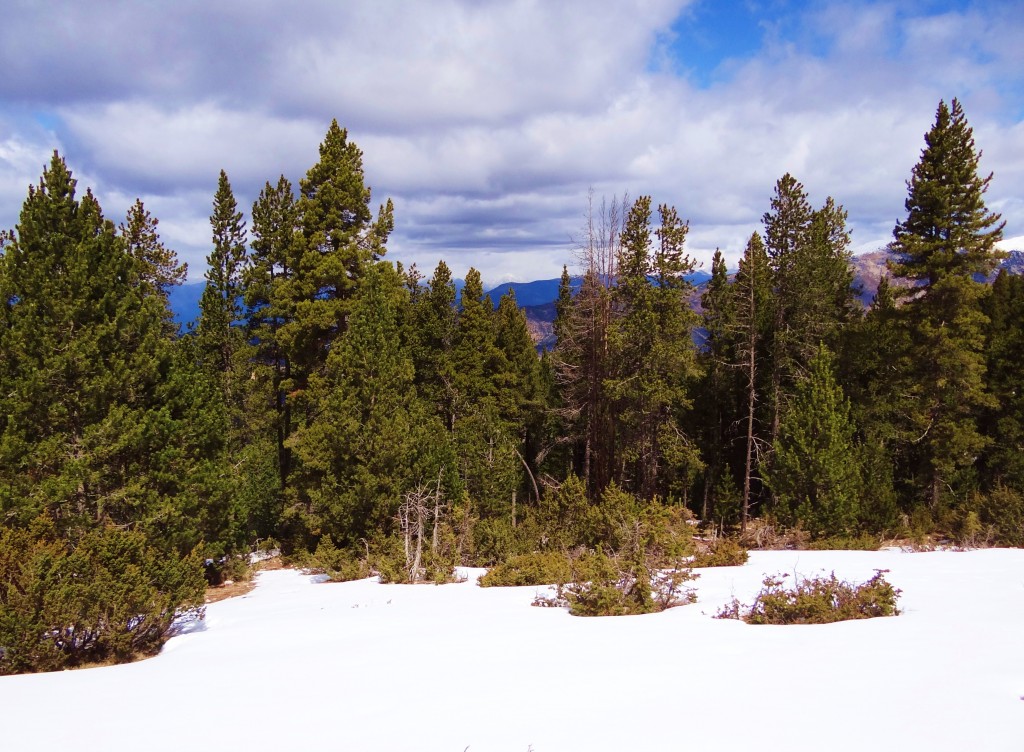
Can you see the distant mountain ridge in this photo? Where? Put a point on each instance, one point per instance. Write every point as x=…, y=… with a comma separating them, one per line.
x=537, y=298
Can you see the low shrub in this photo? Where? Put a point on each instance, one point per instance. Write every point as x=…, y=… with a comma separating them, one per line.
x=539, y=568
x=339, y=564
x=395, y=563
x=721, y=552
x=1003, y=510
x=861, y=542
x=819, y=600
x=109, y=596
x=602, y=585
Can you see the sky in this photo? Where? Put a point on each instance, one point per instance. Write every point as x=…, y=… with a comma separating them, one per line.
x=489, y=123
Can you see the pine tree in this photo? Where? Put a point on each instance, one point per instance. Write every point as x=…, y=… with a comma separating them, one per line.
x=948, y=238
x=339, y=242
x=654, y=357
x=270, y=303
x=99, y=462
x=718, y=392
x=1004, y=423
x=811, y=282
x=754, y=304
x=372, y=439
x=816, y=472
x=434, y=333
x=220, y=305
x=582, y=355
x=158, y=265
x=85, y=349
x=244, y=398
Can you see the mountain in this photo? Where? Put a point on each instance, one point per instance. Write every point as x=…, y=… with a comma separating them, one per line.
x=537, y=298
x=868, y=269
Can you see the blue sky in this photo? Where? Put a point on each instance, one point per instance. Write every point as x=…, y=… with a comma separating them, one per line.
x=489, y=122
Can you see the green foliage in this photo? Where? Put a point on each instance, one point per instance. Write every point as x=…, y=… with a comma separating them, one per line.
x=721, y=552
x=495, y=540
x=948, y=237
x=603, y=585
x=339, y=564
x=391, y=561
x=538, y=568
x=1003, y=509
x=818, y=600
x=861, y=542
x=109, y=597
x=816, y=472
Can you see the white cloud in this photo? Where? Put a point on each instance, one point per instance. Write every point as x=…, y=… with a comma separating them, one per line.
x=488, y=122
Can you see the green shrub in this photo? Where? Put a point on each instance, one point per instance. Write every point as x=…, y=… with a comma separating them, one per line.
x=861, y=542
x=602, y=585
x=494, y=541
x=539, y=568
x=1003, y=509
x=721, y=552
x=819, y=600
x=339, y=564
x=390, y=560
x=110, y=597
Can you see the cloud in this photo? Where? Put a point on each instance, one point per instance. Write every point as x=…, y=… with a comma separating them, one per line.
x=489, y=122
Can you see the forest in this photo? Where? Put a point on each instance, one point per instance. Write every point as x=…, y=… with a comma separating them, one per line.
x=355, y=414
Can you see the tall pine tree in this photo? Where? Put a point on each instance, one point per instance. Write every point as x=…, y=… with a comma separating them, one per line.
x=946, y=242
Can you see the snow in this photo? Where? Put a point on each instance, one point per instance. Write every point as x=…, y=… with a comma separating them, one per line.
x=297, y=665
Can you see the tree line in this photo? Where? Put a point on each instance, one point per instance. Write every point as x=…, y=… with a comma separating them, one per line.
x=344, y=406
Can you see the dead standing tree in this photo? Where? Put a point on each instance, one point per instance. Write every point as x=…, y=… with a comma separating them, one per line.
x=419, y=507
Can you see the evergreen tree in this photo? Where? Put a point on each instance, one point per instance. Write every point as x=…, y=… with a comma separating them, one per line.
x=371, y=439
x=948, y=238
x=244, y=397
x=220, y=304
x=268, y=282
x=754, y=310
x=158, y=266
x=582, y=355
x=98, y=465
x=816, y=472
x=718, y=397
x=1004, y=423
x=434, y=334
x=654, y=357
x=85, y=349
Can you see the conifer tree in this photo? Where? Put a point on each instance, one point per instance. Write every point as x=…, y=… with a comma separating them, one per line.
x=718, y=397
x=157, y=264
x=371, y=439
x=654, y=357
x=811, y=280
x=267, y=281
x=753, y=294
x=1004, y=424
x=816, y=472
x=582, y=356
x=434, y=334
x=244, y=386
x=98, y=462
x=85, y=349
x=948, y=238
x=220, y=305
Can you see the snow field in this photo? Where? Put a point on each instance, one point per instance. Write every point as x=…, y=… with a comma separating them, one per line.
x=361, y=666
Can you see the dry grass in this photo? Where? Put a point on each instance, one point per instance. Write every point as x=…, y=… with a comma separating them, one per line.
x=233, y=589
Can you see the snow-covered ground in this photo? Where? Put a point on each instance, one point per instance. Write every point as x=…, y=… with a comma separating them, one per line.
x=362, y=666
